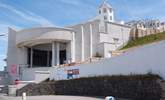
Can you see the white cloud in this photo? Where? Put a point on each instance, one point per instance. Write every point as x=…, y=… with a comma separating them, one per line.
x=72, y=2
x=27, y=15
x=4, y=30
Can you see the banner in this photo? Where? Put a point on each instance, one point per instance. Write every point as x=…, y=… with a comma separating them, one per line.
x=13, y=70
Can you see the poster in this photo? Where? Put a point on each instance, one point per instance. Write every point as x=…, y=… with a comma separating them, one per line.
x=13, y=70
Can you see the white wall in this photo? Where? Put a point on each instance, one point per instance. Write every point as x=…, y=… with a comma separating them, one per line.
x=78, y=41
x=30, y=74
x=118, y=31
x=149, y=58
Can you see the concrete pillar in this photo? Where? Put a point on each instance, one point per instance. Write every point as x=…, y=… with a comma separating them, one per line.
x=31, y=57
x=91, y=40
x=73, y=47
x=57, y=53
x=82, y=43
x=53, y=54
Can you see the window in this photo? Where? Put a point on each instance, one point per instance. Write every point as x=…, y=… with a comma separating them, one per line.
x=99, y=11
x=104, y=10
x=105, y=17
x=158, y=25
x=110, y=10
x=110, y=17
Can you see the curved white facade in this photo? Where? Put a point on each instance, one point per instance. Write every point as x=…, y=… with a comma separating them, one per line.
x=42, y=35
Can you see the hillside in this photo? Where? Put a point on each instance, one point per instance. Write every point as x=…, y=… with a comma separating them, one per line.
x=145, y=40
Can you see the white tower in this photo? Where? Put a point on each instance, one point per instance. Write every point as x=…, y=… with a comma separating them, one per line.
x=106, y=12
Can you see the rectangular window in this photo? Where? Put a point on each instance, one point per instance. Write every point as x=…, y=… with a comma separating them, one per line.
x=110, y=17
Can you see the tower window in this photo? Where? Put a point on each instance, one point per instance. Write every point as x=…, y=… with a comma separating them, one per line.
x=104, y=10
x=110, y=10
x=99, y=11
x=105, y=17
x=110, y=17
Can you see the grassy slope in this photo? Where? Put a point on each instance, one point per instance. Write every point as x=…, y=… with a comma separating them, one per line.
x=145, y=40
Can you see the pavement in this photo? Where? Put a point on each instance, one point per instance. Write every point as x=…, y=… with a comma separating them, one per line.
x=3, y=97
x=53, y=97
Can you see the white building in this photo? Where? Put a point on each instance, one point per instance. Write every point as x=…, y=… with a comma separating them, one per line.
x=145, y=24
x=39, y=49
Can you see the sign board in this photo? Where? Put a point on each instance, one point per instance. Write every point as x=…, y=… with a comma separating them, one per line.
x=72, y=73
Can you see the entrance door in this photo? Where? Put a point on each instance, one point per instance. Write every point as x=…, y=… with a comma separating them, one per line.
x=62, y=56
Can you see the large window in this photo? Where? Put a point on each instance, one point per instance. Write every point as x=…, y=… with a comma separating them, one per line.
x=40, y=58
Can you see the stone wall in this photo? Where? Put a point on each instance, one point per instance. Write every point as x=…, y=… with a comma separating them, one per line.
x=135, y=87
x=137, y=33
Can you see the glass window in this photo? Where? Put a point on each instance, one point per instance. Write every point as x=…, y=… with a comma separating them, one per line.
x=110, y=10
x=105, y=17
x=110, y=17
x=105, y=10
x=99, y=11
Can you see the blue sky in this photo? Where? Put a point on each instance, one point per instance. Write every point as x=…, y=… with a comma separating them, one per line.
x=20, y=14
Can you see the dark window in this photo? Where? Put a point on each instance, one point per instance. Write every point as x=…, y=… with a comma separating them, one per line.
x=62, y=56
x=104, y=10
x=99, y=11
x=105, y=17
x=110, y=10
x=110, y=17
x=40, y=58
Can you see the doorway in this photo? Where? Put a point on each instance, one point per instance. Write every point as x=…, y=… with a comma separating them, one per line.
x=62, y=56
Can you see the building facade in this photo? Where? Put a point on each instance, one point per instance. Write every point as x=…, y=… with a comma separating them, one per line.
x=39, y=49
x=146, y=27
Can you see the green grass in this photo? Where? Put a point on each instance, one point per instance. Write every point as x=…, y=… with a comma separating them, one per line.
x=145, y=40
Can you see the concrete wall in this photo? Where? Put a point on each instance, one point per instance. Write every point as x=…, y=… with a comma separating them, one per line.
x=86, y=33
x=118, y=31
x=115, y=36
x=12, y=54
x=32, y=74
x=149, y=58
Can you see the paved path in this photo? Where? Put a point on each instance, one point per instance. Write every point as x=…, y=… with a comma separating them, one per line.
x=50, y=98
x=3, y=97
